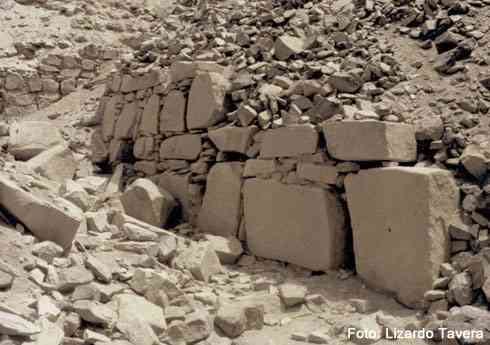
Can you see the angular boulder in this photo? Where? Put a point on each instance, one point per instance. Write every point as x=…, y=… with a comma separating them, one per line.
x=303, y=225
x=186, y=147
x=47, y=220
x=29, y=138
x=143, y=200
x=221, y=208
x=206, y=106
x=370, y=141
x=400, y=218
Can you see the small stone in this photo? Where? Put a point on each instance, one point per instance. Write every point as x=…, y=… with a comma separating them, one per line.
x=292, y=294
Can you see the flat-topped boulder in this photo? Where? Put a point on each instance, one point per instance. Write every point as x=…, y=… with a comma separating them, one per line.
x=400, y=218
x=303, y=225
x=57, y=163
x=221, y=207
x=289, y=141
x=370, y=141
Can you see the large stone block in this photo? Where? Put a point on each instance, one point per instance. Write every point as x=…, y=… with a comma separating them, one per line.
x=29, y=138
x=186, y=146
x=51, y=221
x=172, y=117
x=370, y=141
x=400, y=218
x=289, y=141
x=206, y=105
x=109, y=117
x=221, y=209
x=303, y=225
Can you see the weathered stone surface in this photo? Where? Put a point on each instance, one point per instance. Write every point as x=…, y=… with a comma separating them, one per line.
x=475, y=159
x=302, y=225
x=11, y=324
x=233, y=139
x=180, y=70
x=94, y=312
x=345, y=82
x=129, y=305
x=126, y=121
x=47, y=251
x=292, y=294
x=29, y=138
x=56, y=163
x=200, y=259
x=75, y=193
x=259, y=167
x=186, y=146
x=178, y=187
x=317, y=173
x=149, y=119
x=206, y=106
x=143, y=200
x=460, y=289
x=220, y=213
x=144, y=81
x=287, y=45
x=172, y=117
x=227, y=249
x=370, y=141
x=109, y=117
x=72, y=277
x=400, y=218
x=289, y=141
x=46, y=220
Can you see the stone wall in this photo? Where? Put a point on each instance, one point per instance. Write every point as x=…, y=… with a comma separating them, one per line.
x=24, y=90
x=239, y=167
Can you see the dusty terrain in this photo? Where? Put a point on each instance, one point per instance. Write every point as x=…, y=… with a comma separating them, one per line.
x=244, y=172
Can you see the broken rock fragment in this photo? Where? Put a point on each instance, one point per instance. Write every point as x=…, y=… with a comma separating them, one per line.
x=11, y=324
x=370, y=141
x=401, y=212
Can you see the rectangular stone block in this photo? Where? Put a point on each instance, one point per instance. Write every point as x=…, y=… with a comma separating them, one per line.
x=303, y=225
x=233, y=139
x=370, y=141
x=400, y=218
x=221, y=208
x=289, y=141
